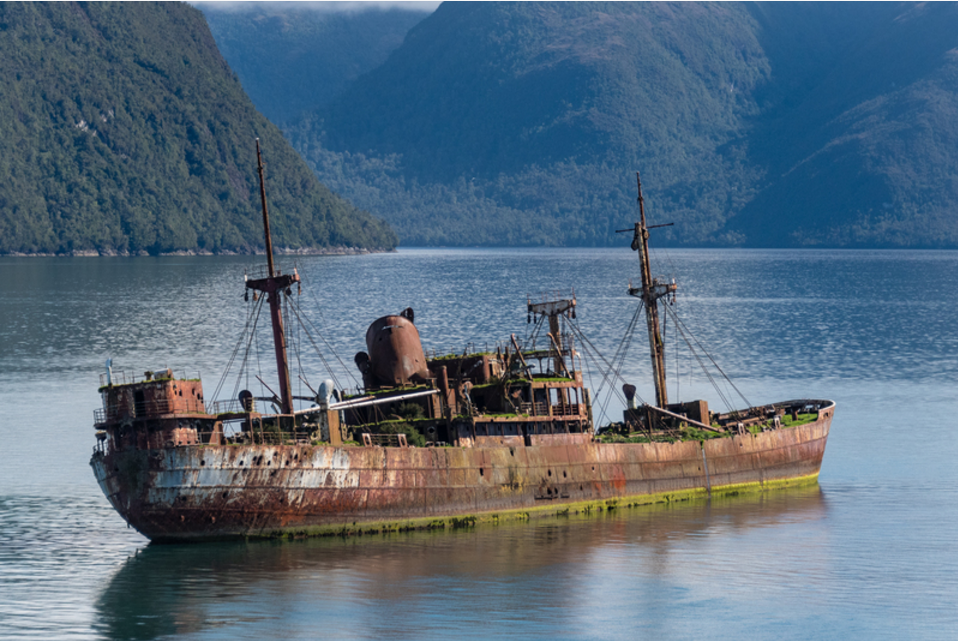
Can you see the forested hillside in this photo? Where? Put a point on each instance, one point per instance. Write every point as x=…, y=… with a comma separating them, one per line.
x=779, y=124
x=123, y=130
x=295, y=57
x=862, y=150
x=523, y=123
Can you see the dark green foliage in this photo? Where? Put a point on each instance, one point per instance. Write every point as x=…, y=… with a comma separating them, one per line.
x=123, y=130
x=781, y=124
x=411, y=411
x=413, y=436
x=292, y=57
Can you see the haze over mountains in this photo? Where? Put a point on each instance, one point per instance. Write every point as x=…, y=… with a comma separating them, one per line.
x=806, y=124
x=779, y=124
x=296, y=57
x=123, y=130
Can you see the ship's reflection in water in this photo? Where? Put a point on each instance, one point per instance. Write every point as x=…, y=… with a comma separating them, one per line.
x=658, y=571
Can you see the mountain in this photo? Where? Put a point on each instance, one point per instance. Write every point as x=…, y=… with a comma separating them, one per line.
x=763, y=124
x=295, y=57
x=542, y=111
x=863, y=153
x=123, y=130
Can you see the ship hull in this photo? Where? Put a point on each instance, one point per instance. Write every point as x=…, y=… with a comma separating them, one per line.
x=202, y=492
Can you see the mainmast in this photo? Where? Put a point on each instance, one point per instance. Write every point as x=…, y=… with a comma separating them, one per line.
x=273, y=286
x=650, y=293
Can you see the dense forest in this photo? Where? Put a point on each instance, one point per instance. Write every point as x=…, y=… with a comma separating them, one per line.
x=762, y=124
x=123, y=130
x=296, y=57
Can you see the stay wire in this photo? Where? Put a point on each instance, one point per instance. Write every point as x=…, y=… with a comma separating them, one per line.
x=318, y=330
x=592, y=355
x=715, y=363
x=244, y=365
x=686, y=334
x=588, y=359
x=299, y=317
x=702, y=364
x=610, y=372
x=294, y=341
x=306, y=324
x=232, y=359
x=590, y=350
x=618, y=359
x=678, y=373
x=257, y=351
x=625, y=343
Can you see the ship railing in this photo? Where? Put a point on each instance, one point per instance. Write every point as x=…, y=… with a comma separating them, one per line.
x=266, y=437
x=255, y=405
x=100, y=447
x=127, y=378
x=566, y=409
x=262, y=435
x=534, y=409
x=262, y=271
x=149, y=408
x=385, y=440
x=233, y=406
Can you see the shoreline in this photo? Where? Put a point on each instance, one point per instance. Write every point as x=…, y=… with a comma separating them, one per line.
x=282, y=251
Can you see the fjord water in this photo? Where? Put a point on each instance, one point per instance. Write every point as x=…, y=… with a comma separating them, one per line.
x=867, y=553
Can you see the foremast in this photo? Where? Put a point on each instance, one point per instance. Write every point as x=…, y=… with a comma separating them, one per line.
x=650, y=293
x=274, y=285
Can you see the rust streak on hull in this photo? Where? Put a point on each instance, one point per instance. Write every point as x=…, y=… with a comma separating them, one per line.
x=202, y=492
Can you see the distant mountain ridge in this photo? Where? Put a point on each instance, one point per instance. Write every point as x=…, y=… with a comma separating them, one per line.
x=765, y=124
x=123, y=131
x=295, y=57
x=868, y=156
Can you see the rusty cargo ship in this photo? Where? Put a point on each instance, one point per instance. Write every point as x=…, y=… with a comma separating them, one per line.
x=430, y=442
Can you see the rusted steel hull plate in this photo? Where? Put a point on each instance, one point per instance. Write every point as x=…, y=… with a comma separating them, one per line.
x=203, y=492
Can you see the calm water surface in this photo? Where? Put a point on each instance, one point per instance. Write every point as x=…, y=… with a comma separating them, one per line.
x=870, y=553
